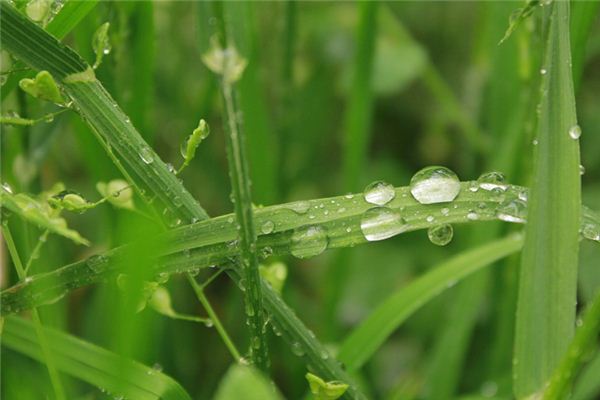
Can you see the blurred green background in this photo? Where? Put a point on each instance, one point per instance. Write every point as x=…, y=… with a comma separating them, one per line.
x=336, y=95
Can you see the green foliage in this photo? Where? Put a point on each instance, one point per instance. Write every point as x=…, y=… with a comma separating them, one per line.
x=317, y=99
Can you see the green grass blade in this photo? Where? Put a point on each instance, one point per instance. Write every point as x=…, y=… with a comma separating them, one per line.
x=547, y=289
x=372, y=332
x=261, y=143
x=93, y=364
x=360, y=104
x=587, y=386
x=212, y=241
x=71, y=14
x=583, y=15
x=585, y=338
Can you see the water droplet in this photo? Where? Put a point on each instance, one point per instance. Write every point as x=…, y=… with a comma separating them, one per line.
x=445, y=211
x=575, y=132
x=146, y=155
x=379, y=193
x=543, y=71
x=208, y=323
x=96, y=262
x=513, y=210
x=171, y=168
x=308, y=241
x=299, y=207
x=324, y=354
x=440, y=235
x=380, y=223
x=492, y=180
x=434, y=185
x=430, y=218
x=581, y=169
x=267, y=227
x=472, y=216
x=535, y=142
x=591, y=231
x=297, y=349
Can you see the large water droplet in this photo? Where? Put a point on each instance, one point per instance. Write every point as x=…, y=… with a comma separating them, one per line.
x=308, y=241
x=146, y=155
x=379, y=193
x=434, y=185
x=513, y=210
x=380, y=223
x=267, y=227
x=492, y=180
x=440, y=235
x=575, y=132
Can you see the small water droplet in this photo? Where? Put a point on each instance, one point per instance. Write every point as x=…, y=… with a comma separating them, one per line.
x=379, y=193
x=440, y=235
x=299, y=207
x=512, y=210
x=146, y=155
x=543, y=71
x=430, y=218
x=297, y=349
x=6, y=187
x=575, y=132
x=96, y=262
x=380, y=223
x=308, y=241
x=591, y=231
x=492, y=181
x=267, y=227
x=581, y=169
x=445, y=211
x=434, y=185
x=472, y=216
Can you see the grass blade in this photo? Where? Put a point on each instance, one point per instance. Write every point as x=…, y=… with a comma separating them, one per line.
x=92, y=364
x=372, y=332
x=585, y=337
x=360, y=107
x=209, y=242
x=547, y=288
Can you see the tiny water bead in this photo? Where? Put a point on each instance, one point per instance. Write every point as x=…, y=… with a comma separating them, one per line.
x=440, y=235
x=575, y=132
x=267, y=227
x=380, y=223
x=308, y=241
x=379, y=193
x=434, y=185
x=146, y=155
x=492, y=180
x=513, y=210
x=299, y=207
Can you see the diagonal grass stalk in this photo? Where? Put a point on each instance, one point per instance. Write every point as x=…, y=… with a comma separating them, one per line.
x=547, y=289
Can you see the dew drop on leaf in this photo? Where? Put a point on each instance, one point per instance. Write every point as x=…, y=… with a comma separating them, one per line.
x=492, y=180
x=513, y=210
x=308, y=241
x=380, y=223
x=146, y=155
x=379, y=193
x=434, y=185
x=267, y=227
x=440, y=235
x=575, y=132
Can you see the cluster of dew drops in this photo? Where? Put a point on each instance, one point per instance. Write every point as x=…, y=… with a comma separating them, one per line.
x=431, y=185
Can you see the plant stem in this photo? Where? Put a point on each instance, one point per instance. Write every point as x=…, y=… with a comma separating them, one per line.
x=59, y=392
x=240, y=182
x=199, y=290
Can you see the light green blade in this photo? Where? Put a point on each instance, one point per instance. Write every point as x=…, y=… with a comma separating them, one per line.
x=92, y=364
x=547, y=288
